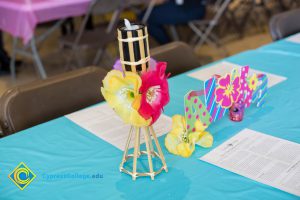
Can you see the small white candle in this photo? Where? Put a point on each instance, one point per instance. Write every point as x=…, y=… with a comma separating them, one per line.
x=129, y=27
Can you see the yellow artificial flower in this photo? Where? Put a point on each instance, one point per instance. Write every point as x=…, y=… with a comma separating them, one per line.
x=182, y=143
x=206, y=140
x=121, y=93
x=253, y=82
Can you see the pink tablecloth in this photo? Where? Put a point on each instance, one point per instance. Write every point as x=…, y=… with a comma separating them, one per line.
x=20, y=17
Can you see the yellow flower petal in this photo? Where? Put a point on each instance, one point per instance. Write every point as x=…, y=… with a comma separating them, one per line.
x=178, y=125
x=171, y=143
x=206, y=140
x=125, y=111
x=194, y=137
x=121, y=93
x=115, y=79
x=137, y=102
x=185, y=149
x=177, y=144
x=199, y=126
x=174, y=142
x=177, y=132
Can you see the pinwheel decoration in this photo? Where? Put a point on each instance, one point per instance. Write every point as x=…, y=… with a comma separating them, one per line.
x=233, y=92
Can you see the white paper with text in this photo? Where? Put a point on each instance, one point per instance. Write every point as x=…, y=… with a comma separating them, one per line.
x=263, y=158
x=103, y=122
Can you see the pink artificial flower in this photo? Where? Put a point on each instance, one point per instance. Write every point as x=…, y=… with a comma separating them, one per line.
x=227, y=92
x=154, y=92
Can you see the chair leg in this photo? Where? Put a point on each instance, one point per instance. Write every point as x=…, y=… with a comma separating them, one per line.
x=214, y=39
x=208, y=37
x=99, y=56
x=37, y=60
x=78, y=58
x=194, y=40
x=203, y=36
x=148, y=11
x=12, y=63
x=74, y=55
x=114, y=20
x=196, y=30
x=174, y=33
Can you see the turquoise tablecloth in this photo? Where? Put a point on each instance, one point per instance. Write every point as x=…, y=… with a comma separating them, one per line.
x=60, y=146
x=283, y=46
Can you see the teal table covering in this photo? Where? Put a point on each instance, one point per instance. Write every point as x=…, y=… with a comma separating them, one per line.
x=283, y=47
x=62, y=147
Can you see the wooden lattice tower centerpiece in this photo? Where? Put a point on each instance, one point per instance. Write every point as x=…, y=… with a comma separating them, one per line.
x=135, y=57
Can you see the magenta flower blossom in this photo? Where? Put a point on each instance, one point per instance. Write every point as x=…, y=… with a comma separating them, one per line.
x=227, y=91
x=154, y=92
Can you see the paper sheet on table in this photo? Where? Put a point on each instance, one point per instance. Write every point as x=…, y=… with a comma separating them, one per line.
x=263, y=158
x=294, y=38
x=102, y=121
x=224, y=67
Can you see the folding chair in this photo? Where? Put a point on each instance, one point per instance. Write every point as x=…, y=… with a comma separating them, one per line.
x=148, y=10
x=99, y=37
x=203, y=28
x=179, y=56
x=43, y=100
x=285, y=24
x=148, y=4
x=30, y=50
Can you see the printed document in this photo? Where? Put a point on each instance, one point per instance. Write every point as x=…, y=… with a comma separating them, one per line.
x=102, y=121
x=263, y=158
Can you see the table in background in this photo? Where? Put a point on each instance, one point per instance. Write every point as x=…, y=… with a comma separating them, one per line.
x=283, y=47
x=60, y=146
x=20, y=18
